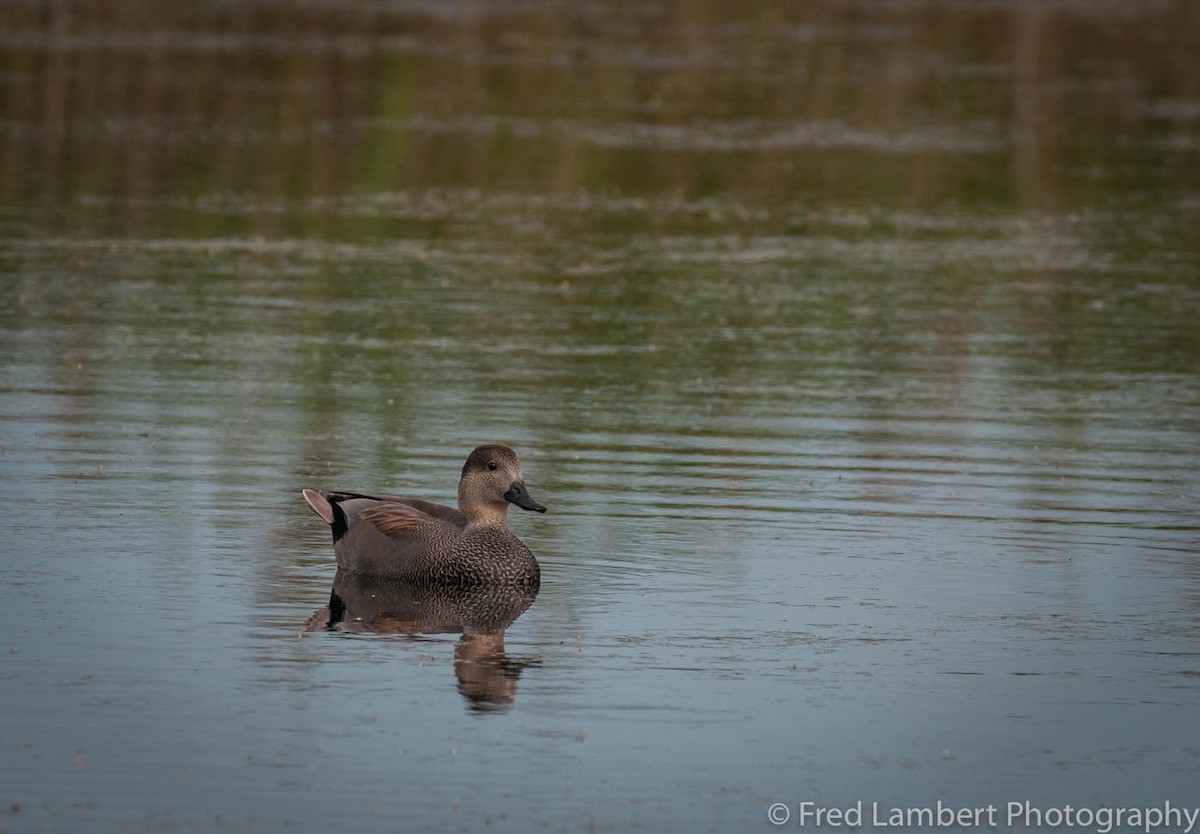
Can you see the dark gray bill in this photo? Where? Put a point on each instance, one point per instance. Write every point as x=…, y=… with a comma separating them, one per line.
x=520, y=496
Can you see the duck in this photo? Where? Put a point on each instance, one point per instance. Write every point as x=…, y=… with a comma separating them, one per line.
x=431, y=544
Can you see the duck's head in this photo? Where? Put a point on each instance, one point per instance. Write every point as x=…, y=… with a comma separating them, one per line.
x=491, y=480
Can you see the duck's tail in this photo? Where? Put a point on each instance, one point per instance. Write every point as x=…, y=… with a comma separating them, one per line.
x=320, y=504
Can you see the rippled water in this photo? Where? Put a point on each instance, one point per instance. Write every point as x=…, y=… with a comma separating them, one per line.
x=854, y=351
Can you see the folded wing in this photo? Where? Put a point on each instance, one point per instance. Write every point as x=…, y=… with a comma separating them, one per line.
x=386, y=535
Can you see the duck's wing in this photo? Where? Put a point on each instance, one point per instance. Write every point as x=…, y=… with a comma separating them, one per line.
x=323, y=502
x=439, y=511
x=397, y=520
x=386, y=536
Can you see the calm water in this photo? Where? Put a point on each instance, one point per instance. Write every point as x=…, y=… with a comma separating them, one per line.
x=855, y=350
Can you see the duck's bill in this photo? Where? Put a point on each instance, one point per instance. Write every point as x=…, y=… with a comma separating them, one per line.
x=520, y=496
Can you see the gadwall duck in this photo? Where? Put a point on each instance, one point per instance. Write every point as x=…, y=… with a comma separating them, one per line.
x=422, y=542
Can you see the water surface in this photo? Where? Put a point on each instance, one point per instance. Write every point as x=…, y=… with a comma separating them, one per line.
x=854, y=350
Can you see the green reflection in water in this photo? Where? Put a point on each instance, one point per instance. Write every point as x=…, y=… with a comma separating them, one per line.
x=854, y=319
x=607, y=218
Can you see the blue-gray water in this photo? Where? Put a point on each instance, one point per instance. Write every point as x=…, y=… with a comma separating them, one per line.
x=854, y=350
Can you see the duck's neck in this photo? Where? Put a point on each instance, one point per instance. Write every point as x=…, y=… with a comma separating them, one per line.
x=486, y=514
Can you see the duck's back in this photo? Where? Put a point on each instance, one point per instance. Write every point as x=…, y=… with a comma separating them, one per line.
x=389, y=536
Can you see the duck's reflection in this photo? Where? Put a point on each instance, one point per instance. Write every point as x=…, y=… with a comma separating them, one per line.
x=487, y=676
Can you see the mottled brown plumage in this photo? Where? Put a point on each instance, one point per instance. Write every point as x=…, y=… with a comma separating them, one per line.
x=419, y=541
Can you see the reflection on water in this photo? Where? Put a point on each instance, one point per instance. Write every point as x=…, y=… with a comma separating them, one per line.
x=487, y=676
x=349, y=121
x=854, y=345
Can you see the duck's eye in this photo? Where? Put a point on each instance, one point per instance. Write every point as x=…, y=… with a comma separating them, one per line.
x=492, y=465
